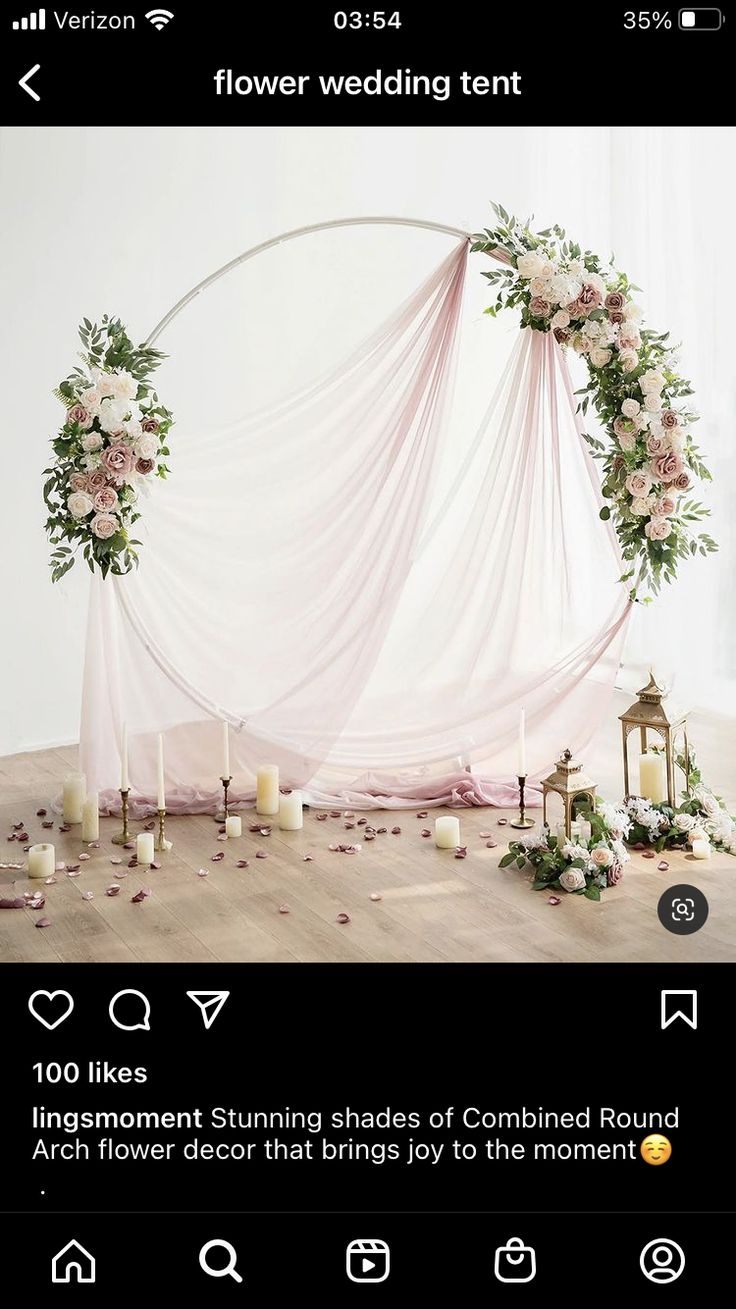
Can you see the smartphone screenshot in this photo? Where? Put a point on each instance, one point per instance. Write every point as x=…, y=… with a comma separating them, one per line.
x=368, y=659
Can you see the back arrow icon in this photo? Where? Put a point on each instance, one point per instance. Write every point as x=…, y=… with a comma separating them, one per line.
x=25, y=80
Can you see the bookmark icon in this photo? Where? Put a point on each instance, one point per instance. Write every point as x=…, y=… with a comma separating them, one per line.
x=209, y=1003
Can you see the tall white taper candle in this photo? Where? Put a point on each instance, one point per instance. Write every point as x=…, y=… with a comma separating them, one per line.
x=521, y=769
x=225, y=752
x=161, y=799
x=124, y=786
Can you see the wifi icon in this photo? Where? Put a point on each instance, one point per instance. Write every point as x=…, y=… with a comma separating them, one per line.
x=159, y=17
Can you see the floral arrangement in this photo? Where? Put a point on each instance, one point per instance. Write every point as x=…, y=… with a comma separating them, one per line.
x=112, y=442
x=581, y=866
x=637, y=390
x=702, y=814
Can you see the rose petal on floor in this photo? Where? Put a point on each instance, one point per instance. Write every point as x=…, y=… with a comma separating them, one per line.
x=396, y=831
x=113, y=890
x=284, y=909
x=663, y=865
x=308, y=858
x=43, y=922
x=217, y=857
x=484, y=835
x=84, y=856
x=88, y=895
x=425, y=832
x=261, y=854
x=649, y=854
x=553, y=899
x=375, y=895
x=203, y=872
x=40, y=813
x=502, y=822
x=343, y=918
x=491, y=845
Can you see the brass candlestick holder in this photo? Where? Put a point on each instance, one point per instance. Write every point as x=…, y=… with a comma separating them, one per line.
x=161, y=842
x=120, y=838
x=222, y=814
x=522, y=820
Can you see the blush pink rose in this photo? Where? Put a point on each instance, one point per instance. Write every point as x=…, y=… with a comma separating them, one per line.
x=629, y=336
x=628, y=359
x=622, y=426
x=104, y=526
x=615, y=300
x=561, y=335
x=657, y=445
x=667, y=467
x=639, y=484
x=683, y=481
x=150, y=424
x=590, y=297
x=664, y=506
x=538, y=307
x=658, y=529
x=92, y=441
x=669, y=419
x=118, y=460
x=78, y=481
x=105, y=500
x=96, y=481
x=602, y=857
x=144, y=466
x=78, y=414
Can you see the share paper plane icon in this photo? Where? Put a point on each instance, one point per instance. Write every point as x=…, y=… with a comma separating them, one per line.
x=210, y=1004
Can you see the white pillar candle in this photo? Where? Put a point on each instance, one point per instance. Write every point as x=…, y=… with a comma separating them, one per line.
x=144, y=847
x=701, y=849
x=447, y=832
x=291, y=816
x=652, y=784
x=161, y=798
x=41, y=860
x=75, y=789
x=124, y=786
x=91, y=817
x=267, y=789
x=233, y=825
x=521, y=769
x=225, y=752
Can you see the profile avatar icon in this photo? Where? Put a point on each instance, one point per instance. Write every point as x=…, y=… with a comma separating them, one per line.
x=662, y=1260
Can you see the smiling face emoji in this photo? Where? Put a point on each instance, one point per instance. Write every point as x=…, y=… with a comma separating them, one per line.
x=655, y=1149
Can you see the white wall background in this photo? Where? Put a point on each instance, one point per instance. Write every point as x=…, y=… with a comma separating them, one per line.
x=125, y=221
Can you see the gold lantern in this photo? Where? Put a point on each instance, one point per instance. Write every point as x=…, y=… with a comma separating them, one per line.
x=649, y=714
x=569, y=782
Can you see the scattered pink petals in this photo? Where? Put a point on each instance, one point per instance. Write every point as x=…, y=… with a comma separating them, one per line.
x=114, y=889
x=222, y=838
x=553, y=899
x=19, y=827
x=148, y=827
x=12, y=837
x=40, y=813
x=348, y=849
x=349, y=826
x=369, y=835
x=122, y=872
x=64, y=827
x=49, y=881
x=139, y=897
x=640, y=846
x=461, y=852
x=72, y=872
x=59, y=868
x=491, y=845
x=22, y=836
x=203, y=872
x=217, y=857
x=284, y=909
x=343, y=918
x=93, y=845
x=155, y=863
x=362, y=822
x=242, y=863
x=88, y=895
x=43, y=922
x=115, y=860
x=261, y=854
x=396, y=831
x=26, y=848
x=649, y=854
x=663, y=865
x=381, y=830
x=502, y=822
x=18, y=903
x=265, y=831
x=484, y=835
x=222, y=831
x=321, y=818
x=348, y=814
x=426, y=832
x=84, y=856
x=36, y=901
x=308, y=858
x=335, y=813
x=422, y=813
x=72, y=868
x=129, y=845
x=376, y=896
x=333, y=847
x=133, y=863
x=48, y=824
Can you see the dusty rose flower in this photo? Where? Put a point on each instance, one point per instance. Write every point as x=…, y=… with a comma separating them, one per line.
x=561, y=335
x=639, y=483
x=622, y=426
x=576, y=310
x=590, y=297
x=150, y=424
x=630, y=408
x=615, y=316
x=614, y=300
x=669, y=419
x=118, y=460
x=615, y=874
x=105, y=500
x=627, y=441
x=96, y=481
x=144, y=466
x=664, y=506
x=538, y=307
x=78, y=414
x=683, y=481
x=91, y=442
x=78, y=481
x=658, y=529
x=628, y=359
x=104, y=526
x=79, y=505
x=602, y=857
x=667, y=467
x=657, y=445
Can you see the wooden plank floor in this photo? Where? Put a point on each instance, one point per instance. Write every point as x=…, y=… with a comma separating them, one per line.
x=433, y=907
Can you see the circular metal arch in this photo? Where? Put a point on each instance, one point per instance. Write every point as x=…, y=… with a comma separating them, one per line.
x=292, y=236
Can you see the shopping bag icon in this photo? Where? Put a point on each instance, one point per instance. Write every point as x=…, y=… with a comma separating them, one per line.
x=515, y=1262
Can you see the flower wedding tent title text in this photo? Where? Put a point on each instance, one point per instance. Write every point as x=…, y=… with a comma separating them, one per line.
x=400, y=82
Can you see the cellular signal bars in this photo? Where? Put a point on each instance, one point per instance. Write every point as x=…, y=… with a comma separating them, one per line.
x=34, y=22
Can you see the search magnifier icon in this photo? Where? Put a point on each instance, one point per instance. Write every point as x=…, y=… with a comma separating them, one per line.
x=229, y=1270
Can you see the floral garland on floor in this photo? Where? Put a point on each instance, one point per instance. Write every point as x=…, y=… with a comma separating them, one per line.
x=581, y=866
x=112, y=442
x=702, y=814
x=635, y=387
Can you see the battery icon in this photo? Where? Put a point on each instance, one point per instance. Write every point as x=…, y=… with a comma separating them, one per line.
x=700, y=20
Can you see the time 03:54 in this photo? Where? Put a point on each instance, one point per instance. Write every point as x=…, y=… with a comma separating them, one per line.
x=356, y=18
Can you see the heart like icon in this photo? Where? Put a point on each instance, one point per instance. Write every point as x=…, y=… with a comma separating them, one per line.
x=52, y=997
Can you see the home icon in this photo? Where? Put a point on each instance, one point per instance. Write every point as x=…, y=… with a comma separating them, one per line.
x=73, y=1264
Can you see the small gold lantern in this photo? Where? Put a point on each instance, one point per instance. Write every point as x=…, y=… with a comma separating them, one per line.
x=570, y=782
x=649, y=714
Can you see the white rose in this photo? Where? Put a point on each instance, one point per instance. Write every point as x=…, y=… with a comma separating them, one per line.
x=125, y=387
x=91, y=400
x=709, y=803
x=630, y=408
x=92, y=441
x=596, y=281
x=607, y=334
x=530, y=264
x=684, y=822
x=565, y=289
x=79, y=504
x=538, y=286
x=641, y=507
x=576, y=268
x=548, y=270
x=652, y=380
x=620, y=851
x=572, y=879
x=561, y=318
x=579, y=343
x=146, y=447
x=628, y=359
x=652, y=402
x=599, y=357
x=106, y=384
x=132, y=428
x=112, y=415
x=592, y=329
x=92, y=461
x=632, y=312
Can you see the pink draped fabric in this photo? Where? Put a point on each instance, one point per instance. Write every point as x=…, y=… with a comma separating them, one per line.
x=395, y=587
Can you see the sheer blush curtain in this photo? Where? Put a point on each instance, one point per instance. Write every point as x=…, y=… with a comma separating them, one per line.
x=358, y=611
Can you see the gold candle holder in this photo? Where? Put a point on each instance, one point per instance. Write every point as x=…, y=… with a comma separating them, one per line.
x=120, y=838
x=522, y=820
x=162, y=843
x=222, y=814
